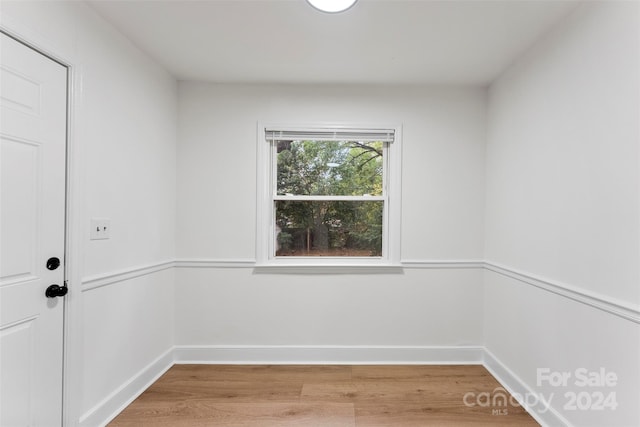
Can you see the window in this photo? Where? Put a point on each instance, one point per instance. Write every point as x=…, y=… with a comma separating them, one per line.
x=328, y=195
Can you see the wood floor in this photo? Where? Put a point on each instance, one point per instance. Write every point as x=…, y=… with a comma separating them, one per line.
x=293, y=395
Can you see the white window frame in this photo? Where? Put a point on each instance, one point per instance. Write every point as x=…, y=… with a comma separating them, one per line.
x=266, y=261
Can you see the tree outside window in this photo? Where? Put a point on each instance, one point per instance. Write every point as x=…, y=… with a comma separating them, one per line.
x=347, y=218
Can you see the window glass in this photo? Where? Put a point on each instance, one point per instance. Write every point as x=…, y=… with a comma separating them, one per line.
x=336, y=168
x=329, y=228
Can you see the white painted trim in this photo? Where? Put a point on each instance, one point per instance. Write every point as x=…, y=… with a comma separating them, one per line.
x=394, y=194
x=97, y=281
x=445, y=264
x=329, y=355
x=544, y=414
x=215, y=263
x=337, y=268
x=610, y=305
x=265, y=175
x=251, y=263
x=73, y=321
x=105, y=411
x=36, y=40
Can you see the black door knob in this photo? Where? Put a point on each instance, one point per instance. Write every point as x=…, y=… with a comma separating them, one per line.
x=56, y=291
x=53, y=263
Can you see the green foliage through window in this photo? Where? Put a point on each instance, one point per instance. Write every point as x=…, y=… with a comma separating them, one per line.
x=336, y=168
x=342, y=170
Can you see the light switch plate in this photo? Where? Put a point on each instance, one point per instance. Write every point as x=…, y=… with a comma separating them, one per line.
x=100, y=228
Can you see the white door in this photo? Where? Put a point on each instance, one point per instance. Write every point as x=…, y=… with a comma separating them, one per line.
x=33, y=105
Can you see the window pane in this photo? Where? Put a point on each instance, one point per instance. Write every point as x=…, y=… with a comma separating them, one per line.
x=323, y=168
x=329, y=228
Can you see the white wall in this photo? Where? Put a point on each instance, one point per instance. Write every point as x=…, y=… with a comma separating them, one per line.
x=442, y=214
x=123, y=168
x=562, y=206
x=234, y=307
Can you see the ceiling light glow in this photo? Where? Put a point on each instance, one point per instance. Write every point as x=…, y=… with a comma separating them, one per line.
x=332, y=6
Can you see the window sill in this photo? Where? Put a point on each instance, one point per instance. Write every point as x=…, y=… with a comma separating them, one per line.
x=295, y=268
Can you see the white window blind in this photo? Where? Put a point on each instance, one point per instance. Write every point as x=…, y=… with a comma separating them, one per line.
x=360, y=135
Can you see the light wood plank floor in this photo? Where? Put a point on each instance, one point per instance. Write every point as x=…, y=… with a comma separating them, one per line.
x=318, y=396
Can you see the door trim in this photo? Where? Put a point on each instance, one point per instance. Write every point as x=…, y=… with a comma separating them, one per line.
x=72, y=332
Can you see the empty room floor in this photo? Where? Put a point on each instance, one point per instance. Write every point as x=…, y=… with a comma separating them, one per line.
x=324, y=395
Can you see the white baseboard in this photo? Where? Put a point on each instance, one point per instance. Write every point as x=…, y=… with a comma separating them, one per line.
x=344, y=355
x=112, y=405
x=542, y=412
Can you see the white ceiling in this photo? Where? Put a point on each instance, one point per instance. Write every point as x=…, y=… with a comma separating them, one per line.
x=376, y=41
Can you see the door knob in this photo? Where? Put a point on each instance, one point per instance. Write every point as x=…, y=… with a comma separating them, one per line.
x=56, y=291
x=53, y=263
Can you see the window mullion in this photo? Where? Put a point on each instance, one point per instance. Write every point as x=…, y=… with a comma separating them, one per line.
x=330, y=198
